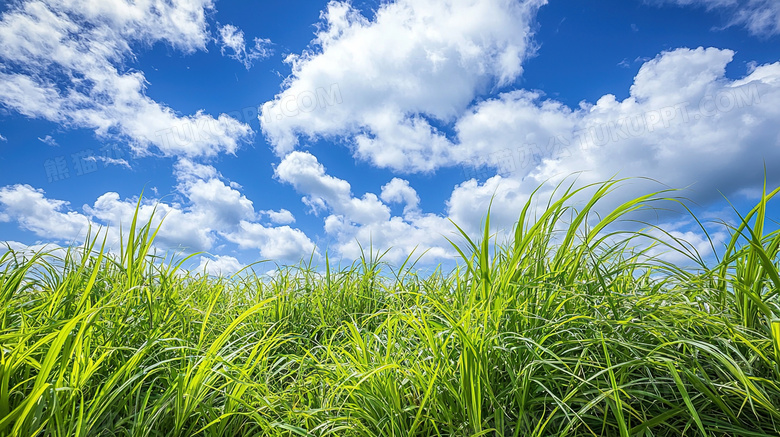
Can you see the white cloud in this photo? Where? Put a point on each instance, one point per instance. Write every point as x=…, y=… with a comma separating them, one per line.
x=506, y=124
x=469, y=202
x=307, y=175
x=219, y=265
x=381, y=83
x=352, y=222
x=45, y=217
x=281, y=217
x=210, y=210
x=684, y=124
x=64, y=63
x=107, y=160
x=48, y=140
x=231, y=39
x=281, y=243
x=3, y=139
x=399, y=191
x=760, y=17
x=681, y=110
x=217, y=205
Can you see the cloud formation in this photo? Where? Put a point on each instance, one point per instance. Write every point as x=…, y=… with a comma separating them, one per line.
x=681, y=110
x=351, y=222
x=212, y=211
x=416, y=64
x=64, y=61
x=759, y=17
x=231, y=40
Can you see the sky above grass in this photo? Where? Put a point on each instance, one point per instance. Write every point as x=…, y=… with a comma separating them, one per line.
x=282, y=130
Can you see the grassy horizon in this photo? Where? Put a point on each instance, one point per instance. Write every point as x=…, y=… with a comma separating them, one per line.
x=566, y=330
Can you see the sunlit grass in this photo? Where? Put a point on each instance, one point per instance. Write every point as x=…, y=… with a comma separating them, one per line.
x=566, y=330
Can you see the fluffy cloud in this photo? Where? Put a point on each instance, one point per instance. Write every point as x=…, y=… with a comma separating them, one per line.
x=307, y=175
x=45, y=217
x=219, y=265
x=399, y=191
x=353, y=222
x=281, y=217
x=211, y=210
x=684, y=125
x=232, y=41
x=63, y=62
x=281, y=243
x=760, y=17
x=385, y=83
x=681, y=110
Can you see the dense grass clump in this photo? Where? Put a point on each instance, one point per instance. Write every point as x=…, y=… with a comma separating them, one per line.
x=565, y=330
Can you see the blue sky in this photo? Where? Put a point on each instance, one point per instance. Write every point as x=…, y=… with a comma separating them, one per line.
x=274, y=130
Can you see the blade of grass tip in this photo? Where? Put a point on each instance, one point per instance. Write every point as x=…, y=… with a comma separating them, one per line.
x=472, y=246
x=702, y=227
x=521, y=222
x=173, y=268
x=97, y=269
x=756, y=236
x=484, y=256
x=131, y=237
x=207, y=315
x=745, y=221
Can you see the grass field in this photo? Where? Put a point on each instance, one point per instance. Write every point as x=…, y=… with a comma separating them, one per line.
x=566, y=330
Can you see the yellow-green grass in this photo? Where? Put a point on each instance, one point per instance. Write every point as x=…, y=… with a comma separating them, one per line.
x=566, y=330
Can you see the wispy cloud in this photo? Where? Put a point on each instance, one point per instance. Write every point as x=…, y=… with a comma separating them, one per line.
x=760, y=17
x=233, y=45
x=48, y=140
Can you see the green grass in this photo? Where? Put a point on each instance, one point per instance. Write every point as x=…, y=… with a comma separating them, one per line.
x=566, y=330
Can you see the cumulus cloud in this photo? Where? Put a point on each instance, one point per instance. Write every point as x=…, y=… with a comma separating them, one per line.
x=232, y=44
x=307, y=175
x=211, y=210
x=352, y=222
x=760, y=17
x=275, y=243
x=33, y=211
x=385, y=83
x=63, y=62
x=399, y=191
x=219, y=265
x=281, y=217
x=684, y=124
